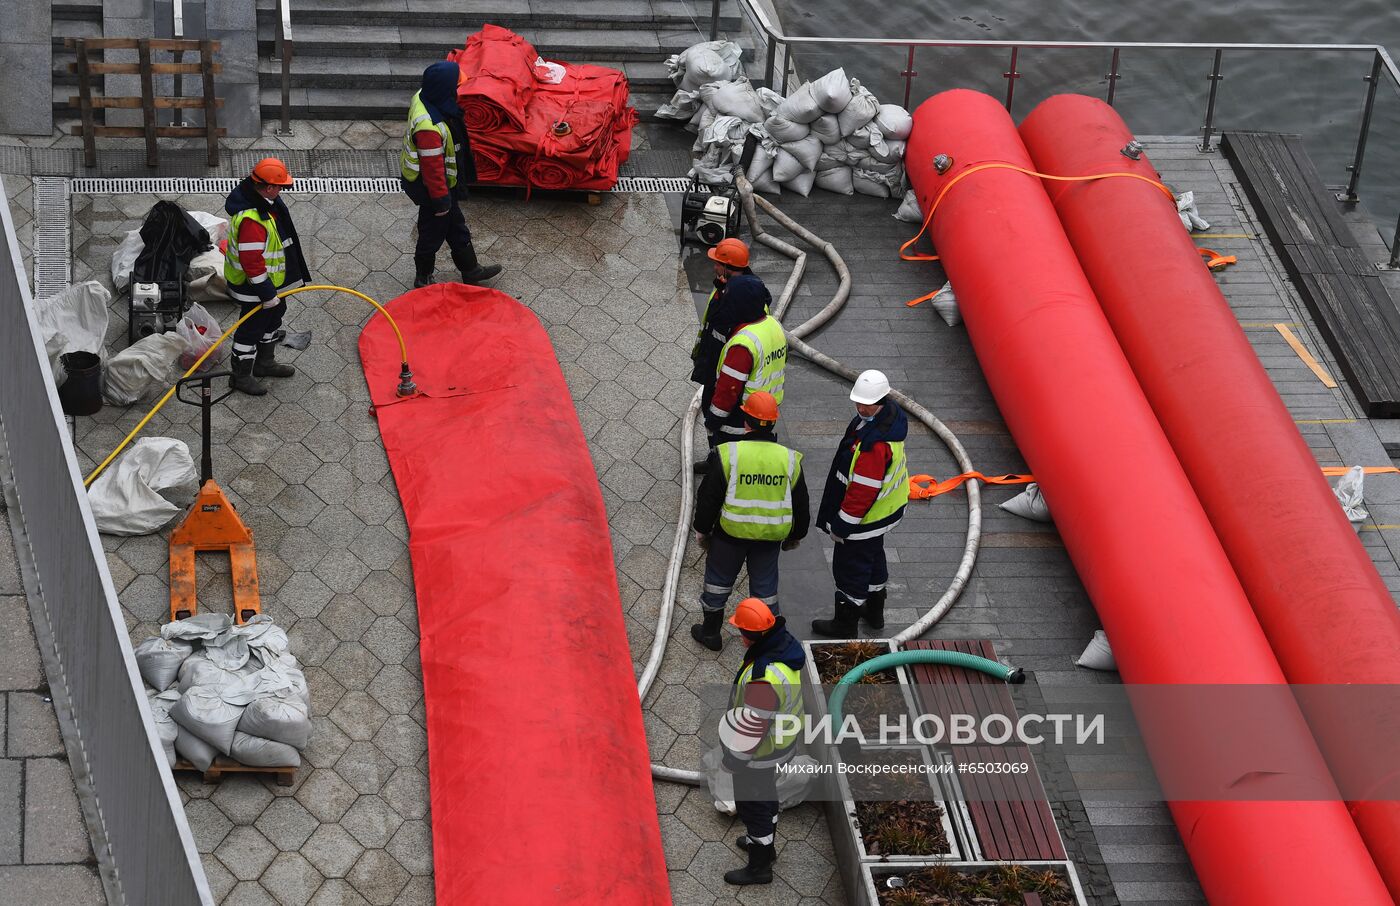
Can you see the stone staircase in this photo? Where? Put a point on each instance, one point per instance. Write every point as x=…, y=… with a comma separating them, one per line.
x=72, y=19
x=362, y=59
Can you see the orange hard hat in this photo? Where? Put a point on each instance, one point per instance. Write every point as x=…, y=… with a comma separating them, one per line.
x=753, y=615
x=272, y=171
x=761, y=405
x=730, y=251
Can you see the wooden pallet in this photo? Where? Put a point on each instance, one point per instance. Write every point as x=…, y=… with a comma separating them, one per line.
x=286, y=776
x=148, y=102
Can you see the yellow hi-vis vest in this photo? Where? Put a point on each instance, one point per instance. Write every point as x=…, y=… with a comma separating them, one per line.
x=765, y=342
x=274, y=256
x=885, y=513
x=777, y=746
x=420, y=120
x=758, y=476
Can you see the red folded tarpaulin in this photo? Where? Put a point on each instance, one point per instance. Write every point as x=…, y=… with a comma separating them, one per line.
x=537, y=758
x=498, y=77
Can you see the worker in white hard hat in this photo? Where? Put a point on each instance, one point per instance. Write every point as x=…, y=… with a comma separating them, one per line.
x=866, y=492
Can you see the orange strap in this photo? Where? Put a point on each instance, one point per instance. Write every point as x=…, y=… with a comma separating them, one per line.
x=999, y=165
x=1216, y=261
x=922, y=487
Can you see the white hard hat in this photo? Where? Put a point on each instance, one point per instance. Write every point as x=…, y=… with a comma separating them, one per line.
x=871, y=387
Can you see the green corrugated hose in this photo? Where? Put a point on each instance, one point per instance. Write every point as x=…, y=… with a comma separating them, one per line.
x=923, y=656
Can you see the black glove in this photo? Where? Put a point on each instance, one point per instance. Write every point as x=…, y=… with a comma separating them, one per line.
x=791, y=545
x=441, y=205
x=267, y=293
x=459, y=191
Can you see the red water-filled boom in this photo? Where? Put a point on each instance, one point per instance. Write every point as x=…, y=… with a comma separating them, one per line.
x=540, y=779
x=1141, y=543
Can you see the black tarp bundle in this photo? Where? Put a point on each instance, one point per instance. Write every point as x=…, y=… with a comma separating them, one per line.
x=172, y=239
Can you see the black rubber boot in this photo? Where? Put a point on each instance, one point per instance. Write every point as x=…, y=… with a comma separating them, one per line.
x=844, y=625
x=760, y=867
x=473, y=271
x=707, y=633
x=423, y=270
x=266, y=364
x=744, y=842
x=873, y=613
x=242, y=378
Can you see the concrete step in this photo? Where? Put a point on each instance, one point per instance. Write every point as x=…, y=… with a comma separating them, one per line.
x=76, y=9
x=404, y=76
x=470, y=15
x=380, y=104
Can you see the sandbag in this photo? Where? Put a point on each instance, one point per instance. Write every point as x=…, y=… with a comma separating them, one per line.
x=769, y=100
x=709, y=61
x=945, y=303
x=733, y=98
x=210, y=626
x=765, y=183
x=785, y=130
x=762, y=160
x=801, y=106
x=826, y=129
x=835, y=179
x=801, y=183
x=806, y=151
x=1098, y=656
x=206, y=278
x=141, y=368
x=1350, y=494
x=1029, y=504
x=887, y=152
x=281, y=719
x=682, y=106
x=894, y=121
x=212, y=713
x=200, y=331
x=73, y=320
x=124, y=259
x=832, y=91
x=785, y=166
x=264, y=637
x=159, y=660
x=166, y=728
x=867, y=183
x=1190, y=217
x=860, y=111
x=264, y=753
x=909, y=211
x=195, y=750
x=151, y=484
x=198, y=670
x=865, y=137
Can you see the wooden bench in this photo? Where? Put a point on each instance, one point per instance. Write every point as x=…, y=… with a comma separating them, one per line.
x=1010, y=812
x=1339, y=283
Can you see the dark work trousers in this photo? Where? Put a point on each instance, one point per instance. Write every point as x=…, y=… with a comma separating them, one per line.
x=756, y=800
x=433, y=230
x=727, y=555
x=858, y=567
x=257, y=329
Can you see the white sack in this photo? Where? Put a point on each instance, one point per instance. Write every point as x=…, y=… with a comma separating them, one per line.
x=867, y=183
x=865, y=137
x=263, y=753
x=733, y=98
x=832, y=157
x=1029, y=504
x=151, y=484
x=765, y=183
x=837, y=179
x=887, y=152
x=195, y=750
x=785, y=166
x=206, y=627
x=141, y=368
x=806, y=151
x=214, y=225
x=945, y=302
x=769, y=100
x=74, y=320
x=762, y=160
x=708, y=61
x=894, y=121
x=212, y=713
x=792, y=784
x=264, y=636
x=159, y=660
x=832, y=91
x=785, y=130
x=206, y=278
x=1098, y=656
x=861, y=110
x=909, y=210
x=280, y=719
x=801, y=106
x=711, y=175
x=124, y=259
x=801, y=183
x=166, y=729
x=1349, y=493
x=1190, y=217
x=682, y=106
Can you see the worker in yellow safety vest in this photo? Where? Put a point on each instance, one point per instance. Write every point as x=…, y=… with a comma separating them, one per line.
x=751, y=504
x=769, y=684
x=753, y=358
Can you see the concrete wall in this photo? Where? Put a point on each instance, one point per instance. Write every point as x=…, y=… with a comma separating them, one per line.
x=26, y=104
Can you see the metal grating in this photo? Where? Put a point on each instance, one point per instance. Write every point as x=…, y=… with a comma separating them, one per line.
x=650, y=184
x=53, y=270
x=315, y=185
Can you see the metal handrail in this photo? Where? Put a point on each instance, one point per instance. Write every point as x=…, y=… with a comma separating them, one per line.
x=177, y=30
x=282, y=49
x=776, y=75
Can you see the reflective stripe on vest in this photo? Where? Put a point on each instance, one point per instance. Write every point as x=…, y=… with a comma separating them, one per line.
x=274, y=257
x=758, y=478
x=787, y=683
x=765, y=342
x=419, y=120
x=892, y=496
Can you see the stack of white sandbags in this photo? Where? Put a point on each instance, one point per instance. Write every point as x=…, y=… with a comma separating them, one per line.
x=694, y=67
x=220, y=689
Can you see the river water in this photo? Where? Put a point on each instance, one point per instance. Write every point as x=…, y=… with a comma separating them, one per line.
x=1319, y=95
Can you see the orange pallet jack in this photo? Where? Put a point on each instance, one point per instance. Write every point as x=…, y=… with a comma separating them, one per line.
x=211, y=525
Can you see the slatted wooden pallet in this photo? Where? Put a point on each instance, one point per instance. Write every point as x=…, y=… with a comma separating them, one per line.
x=148, y=102
x=1340, y=285
x=1010, y=812
x=286, y=776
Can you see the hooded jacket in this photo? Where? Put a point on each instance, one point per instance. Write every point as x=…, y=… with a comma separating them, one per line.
x=745, y=301
x=439, y=96
x=710, y=498
x=717, y=325
x=890, y=424
x=245, y=197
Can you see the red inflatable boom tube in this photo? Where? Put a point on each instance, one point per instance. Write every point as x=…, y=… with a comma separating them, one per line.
x=1321, y=603
x=1141, y=543
x=538, y=768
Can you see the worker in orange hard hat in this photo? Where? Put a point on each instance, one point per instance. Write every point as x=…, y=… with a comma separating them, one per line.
x=768, y=685
x=263, y=258
x=722, y=315
x=751, y=505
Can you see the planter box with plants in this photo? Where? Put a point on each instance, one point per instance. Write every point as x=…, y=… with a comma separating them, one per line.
x=972, y=884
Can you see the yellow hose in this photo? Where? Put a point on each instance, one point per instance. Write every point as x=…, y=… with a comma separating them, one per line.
x=403, y=349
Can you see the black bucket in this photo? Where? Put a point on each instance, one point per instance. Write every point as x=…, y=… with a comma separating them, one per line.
x=81, y=393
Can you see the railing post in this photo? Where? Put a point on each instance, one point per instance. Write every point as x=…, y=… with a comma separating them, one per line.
x=284, y=50
x=1113, y=76
x=909, y=74
x=1349, y=195
x=1209, y=128
x=783, y=71
x=771, y=64
x=714, y=20
x=1011, y=78
x=1394, y=262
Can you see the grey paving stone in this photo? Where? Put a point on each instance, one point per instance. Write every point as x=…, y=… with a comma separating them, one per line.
x=353, y=666
x=246, y=853
x=396, y=689
x=286, y=824
x=32, y=727
x=71, y=885
x=221, y=880
x=11, y=811
x=241, y=797
x=359, y=715
x=311, y=641
x=412, y=847
x=54, y=831
x=378, y=877
x=364, y=767
x=407, y=793
x=326, y=795
x=249, y=893
x=338, y=893
x=371, y=822
x=389, y=640
x=292, y=879
x=19, y=654
x=402, y=739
